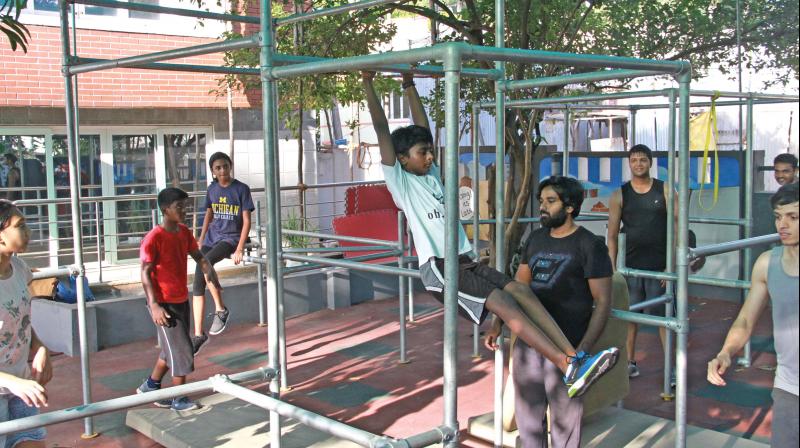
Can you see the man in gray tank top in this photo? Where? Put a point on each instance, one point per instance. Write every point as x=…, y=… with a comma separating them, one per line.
x=774, y=279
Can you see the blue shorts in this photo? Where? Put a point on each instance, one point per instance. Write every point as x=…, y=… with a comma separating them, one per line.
x=12, y=408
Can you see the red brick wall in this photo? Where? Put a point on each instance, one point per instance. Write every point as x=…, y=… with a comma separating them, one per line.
x=34, y=79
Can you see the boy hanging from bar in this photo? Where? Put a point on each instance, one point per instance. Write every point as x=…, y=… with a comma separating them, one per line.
x=416, y=187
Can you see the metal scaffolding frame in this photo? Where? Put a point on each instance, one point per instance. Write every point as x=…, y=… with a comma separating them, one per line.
x=274, y=66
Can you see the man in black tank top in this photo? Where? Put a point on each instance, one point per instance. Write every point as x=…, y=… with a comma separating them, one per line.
x=640, y=205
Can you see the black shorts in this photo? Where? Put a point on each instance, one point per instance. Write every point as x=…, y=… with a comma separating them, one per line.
x=175, y=340
x=476, y=281
x=214, y=254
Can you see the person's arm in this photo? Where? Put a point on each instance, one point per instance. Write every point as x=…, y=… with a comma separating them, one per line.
x=601, y=293
x=379, y=121
x=159, y=314
x=29, y=391
x=206, y=222
x=614, y=221
x=418, y=115
x=206, y=267
x=41, y=368
x=743, y=326
x=239, y=253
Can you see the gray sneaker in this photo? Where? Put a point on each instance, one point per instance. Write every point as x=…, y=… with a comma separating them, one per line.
x=633, y=369
x=219, y=322
x=144, y=388
x=198, y=342
x=183, y=404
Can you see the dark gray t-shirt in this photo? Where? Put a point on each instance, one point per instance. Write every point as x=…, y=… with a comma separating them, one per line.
x=560, y=272
x=227, y=204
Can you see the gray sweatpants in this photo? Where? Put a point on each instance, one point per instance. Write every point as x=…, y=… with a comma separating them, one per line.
x=784, y=419
x=538, y=383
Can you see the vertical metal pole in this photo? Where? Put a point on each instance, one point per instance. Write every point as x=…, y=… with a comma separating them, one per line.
x=99, y=241
x=260, y=268
x=747, y=254
x=565, y=157
x=499, y=362
x=401, y=286
x=500, y=141
x=682, y=267
x=452, y=73
x=410, y=240
x=271, y=171
x=666, y=393
x=632, y=112
x=74, y=194
x=474, y=128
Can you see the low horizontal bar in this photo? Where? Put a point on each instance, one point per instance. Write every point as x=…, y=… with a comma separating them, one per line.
x=578, y=98
x=312, y=266
x=730, y=246
x=304, y=250
x=693, y=279
x=197, y=50
x=721, y=221
x=579, y=78
x=651, y=302
x=116, y=404
x=54, y=272
x=352, y=239
x=182, y=67
x=308, y=418
x=421, y=69
x=646, y=319
x=427, y=438
x=717, y=104
x=167, y=10
x=345, y=263
x=301, y=17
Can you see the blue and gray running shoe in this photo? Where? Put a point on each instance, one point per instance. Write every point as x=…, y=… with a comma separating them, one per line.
x=183, y=404
x=585, y=370
x=144, y=388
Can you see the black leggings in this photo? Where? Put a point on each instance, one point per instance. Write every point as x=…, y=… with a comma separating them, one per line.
x=213, y=254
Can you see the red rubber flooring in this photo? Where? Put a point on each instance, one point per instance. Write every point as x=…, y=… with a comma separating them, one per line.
x=343, y=363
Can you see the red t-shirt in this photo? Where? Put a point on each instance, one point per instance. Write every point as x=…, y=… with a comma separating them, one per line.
x=168, y=252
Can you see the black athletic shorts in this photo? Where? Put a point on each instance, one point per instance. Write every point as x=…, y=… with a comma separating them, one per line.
x=475, y=282
x=174, y=339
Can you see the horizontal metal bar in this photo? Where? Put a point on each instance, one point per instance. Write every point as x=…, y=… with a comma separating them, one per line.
x=651, y=302
x=301, y=17
x=304, y=250
x=313, y=266
x=352, y=239
x=308, y=418
x=579, y=98
x=54, y=272
x=730, y=246
x=693, y=279
x=332, y=185
x=721, y=221
x=421, y=69
x=214, y=47
x=345, y=263
x=717, y=103
x=754, y=95
x=129, y=401
x=646, y=319
x=182, y=67
x=427, y=438
x=579, y=78
x=167, y=10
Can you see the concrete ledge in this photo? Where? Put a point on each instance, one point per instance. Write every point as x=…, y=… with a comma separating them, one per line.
x=224, y=421
x=619, y=427
x=56, y=324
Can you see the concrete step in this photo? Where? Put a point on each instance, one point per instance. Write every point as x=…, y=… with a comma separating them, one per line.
x=224, y=422
x=617, y=427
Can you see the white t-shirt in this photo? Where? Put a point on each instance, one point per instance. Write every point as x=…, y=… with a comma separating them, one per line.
x=15, y=321
x=422, y=200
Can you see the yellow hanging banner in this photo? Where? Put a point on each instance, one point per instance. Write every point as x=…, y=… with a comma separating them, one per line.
x=703, y=135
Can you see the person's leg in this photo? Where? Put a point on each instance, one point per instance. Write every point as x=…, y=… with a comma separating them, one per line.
x=785, y=420
x=505, y=307
x=565, y=412
x=159, y=370
x=636, y=294
x=30, y=438
x=199, y=295
x=538, y=314
x=530, y=400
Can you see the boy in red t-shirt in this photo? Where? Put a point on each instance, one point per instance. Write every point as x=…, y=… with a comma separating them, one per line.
x=164, y=277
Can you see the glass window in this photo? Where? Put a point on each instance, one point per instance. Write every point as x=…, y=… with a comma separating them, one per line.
x=45, y=5
x=186, y=169
x=143, y=14
x=134, y=173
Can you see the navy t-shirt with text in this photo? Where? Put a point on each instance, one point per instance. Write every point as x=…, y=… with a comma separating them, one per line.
x=227, y=204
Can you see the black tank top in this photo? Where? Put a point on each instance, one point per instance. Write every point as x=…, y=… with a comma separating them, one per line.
x=644, y=222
